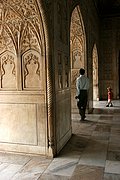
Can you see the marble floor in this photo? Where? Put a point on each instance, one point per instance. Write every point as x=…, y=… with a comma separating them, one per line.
x=93, y=152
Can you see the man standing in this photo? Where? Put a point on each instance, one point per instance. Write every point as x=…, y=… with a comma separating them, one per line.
x=82, y=85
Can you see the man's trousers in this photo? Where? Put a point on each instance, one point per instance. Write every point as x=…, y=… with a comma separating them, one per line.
x=82, y=103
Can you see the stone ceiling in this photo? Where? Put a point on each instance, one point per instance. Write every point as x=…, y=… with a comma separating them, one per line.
x=108, y=7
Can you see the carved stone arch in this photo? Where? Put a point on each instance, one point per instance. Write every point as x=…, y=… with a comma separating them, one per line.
x=77, y=41
x=22, y=14
x=13, y=22
x=29, y=39
x=81, y=20
x=9, y=32
x=32, y=65
x=45, y=23
x=40, y=36
x=7, y=40
x=77, y=49
x=38, y=33
x=95, y=73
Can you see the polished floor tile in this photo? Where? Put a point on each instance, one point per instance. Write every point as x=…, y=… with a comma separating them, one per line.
x=112, y=167
x=62, y=166
x=92, y=153
x=111, y=176
x=87, y=173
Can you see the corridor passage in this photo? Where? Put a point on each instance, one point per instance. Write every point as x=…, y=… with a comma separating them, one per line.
x=93, y=153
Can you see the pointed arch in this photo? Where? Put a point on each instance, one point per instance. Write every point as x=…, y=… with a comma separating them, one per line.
x=29, y=39
x=77, y=49
x=95, y=73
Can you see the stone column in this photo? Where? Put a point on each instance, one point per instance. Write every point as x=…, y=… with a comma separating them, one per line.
x=50, y=108
x=50, y=97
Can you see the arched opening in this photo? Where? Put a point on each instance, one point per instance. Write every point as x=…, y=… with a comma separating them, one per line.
x=77, y=51
x=95, y=74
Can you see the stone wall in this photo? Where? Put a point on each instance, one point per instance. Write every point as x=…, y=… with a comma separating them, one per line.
x=109, y=56
x=62, y=64
x=35, y=91
x=23, y=111
x=62, y=74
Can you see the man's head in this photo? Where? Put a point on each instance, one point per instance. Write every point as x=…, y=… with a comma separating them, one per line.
x=82, y=71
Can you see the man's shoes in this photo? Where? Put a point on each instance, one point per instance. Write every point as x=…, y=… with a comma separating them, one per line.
x=107, y=105
x=82, y=119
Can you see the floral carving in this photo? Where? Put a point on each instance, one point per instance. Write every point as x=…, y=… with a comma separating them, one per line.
x=76, y=33
x=28, y=60
x=21, y=30
x=31, y=71
x=29, y=40
x=6, y=42
x=8, y=71
x=75, y=74
x=16, y=15
x=5, y=60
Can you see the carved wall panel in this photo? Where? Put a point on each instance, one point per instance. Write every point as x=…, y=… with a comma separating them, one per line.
x=6, y=42
x=67, y=72
x=95, y=74
x=32, y=74
x=25, y=131
x=75, y=74
x=14, y=24
x=21, y=32
x=77, y=59
x=95, y=65
x=77, y=40
x=29, y=39
x=22, y=68
x=77, y=48
x=60, y=71
x=63, y=69
x=8, y=71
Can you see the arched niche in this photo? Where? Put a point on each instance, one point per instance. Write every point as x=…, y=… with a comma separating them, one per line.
x=8, y=71
x=77, y=50
x=95, y=73
x=32, y=70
